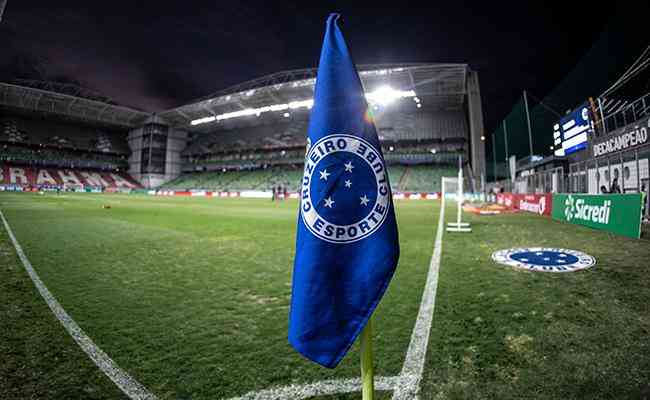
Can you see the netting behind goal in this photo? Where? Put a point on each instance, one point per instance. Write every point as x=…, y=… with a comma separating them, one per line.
x=450, y=188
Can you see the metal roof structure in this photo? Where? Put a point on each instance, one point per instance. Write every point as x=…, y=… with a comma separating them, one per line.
x=37, y=100
x=442, y=86
x=73, y=89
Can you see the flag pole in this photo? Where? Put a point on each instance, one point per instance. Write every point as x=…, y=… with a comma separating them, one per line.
x=367, y=369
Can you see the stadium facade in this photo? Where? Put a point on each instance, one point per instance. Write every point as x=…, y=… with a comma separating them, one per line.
x=612, y=156
x=425, y=114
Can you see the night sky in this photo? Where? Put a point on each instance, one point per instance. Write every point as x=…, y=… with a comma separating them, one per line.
x=155, y=55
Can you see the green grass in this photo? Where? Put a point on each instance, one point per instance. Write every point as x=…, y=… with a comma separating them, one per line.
x=191, y=295
x=504, y=333
x=38, y=360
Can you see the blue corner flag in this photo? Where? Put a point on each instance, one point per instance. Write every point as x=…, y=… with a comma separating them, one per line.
x=347, y=245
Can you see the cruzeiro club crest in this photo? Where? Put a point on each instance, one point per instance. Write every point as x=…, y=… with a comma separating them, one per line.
x=569, y=208
x=345, y=194
x=544, y=259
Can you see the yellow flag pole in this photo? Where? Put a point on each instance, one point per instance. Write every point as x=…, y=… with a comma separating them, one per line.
x=367, y=369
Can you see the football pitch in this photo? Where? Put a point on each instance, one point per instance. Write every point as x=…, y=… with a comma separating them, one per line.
x=190, y=296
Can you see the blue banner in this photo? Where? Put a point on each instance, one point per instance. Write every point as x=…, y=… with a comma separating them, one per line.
x=347, y=243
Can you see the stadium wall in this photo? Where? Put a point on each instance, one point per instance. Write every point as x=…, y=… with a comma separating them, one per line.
x=622, y=154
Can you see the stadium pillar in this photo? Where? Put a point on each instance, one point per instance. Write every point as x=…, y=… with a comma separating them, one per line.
x=530, y=133
x=476, y=128
x=505, y=144
x=505, y=137
x=494, y=156
x=155, y=152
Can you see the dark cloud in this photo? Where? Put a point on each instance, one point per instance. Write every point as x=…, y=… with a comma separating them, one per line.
x=157, y=54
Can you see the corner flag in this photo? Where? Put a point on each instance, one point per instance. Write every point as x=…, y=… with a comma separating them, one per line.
x=347, y=244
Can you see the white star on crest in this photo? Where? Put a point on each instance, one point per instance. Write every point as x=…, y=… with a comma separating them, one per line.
x=324, y=174
x=364, y=200
x=348, y=183
x=329, y=202
x=349, y=166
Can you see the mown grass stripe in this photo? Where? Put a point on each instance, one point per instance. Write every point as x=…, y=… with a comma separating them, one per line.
x=132, y=388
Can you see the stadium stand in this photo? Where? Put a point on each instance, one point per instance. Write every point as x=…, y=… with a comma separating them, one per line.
x=65, y=135
x=55, y=144
x=236, y=180
x=424, y=178
x=49, y=156
x=275, y=135
x=251, y=136
x=403, y=178
x=13, y=177
x=38, y=153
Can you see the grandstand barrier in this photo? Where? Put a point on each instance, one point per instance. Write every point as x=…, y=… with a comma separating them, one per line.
x=256, y=194
x=615, y=213
x=262, y=194
x=537, y=203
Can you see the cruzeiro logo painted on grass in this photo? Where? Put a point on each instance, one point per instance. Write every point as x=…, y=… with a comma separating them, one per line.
x=544, y=259
x=344, y=194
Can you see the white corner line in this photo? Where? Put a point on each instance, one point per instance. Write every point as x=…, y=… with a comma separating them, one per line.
x=322, y=388
x=413, y=368
x=132, y=388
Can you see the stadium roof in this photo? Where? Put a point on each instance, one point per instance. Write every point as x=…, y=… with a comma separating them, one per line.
x=48, y=102
x=437, y=85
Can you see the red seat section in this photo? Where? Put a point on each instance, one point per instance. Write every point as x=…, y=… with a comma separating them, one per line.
x=26, y=176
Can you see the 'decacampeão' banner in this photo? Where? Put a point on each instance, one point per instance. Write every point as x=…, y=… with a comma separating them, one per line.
x=616, y=213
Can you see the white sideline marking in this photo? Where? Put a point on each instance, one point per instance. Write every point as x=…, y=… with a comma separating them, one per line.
x=321, y=388
x=409, y=385
x=132, y=388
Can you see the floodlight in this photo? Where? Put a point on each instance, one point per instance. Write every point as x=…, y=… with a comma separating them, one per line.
x=383, y=95
x=202, y=120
